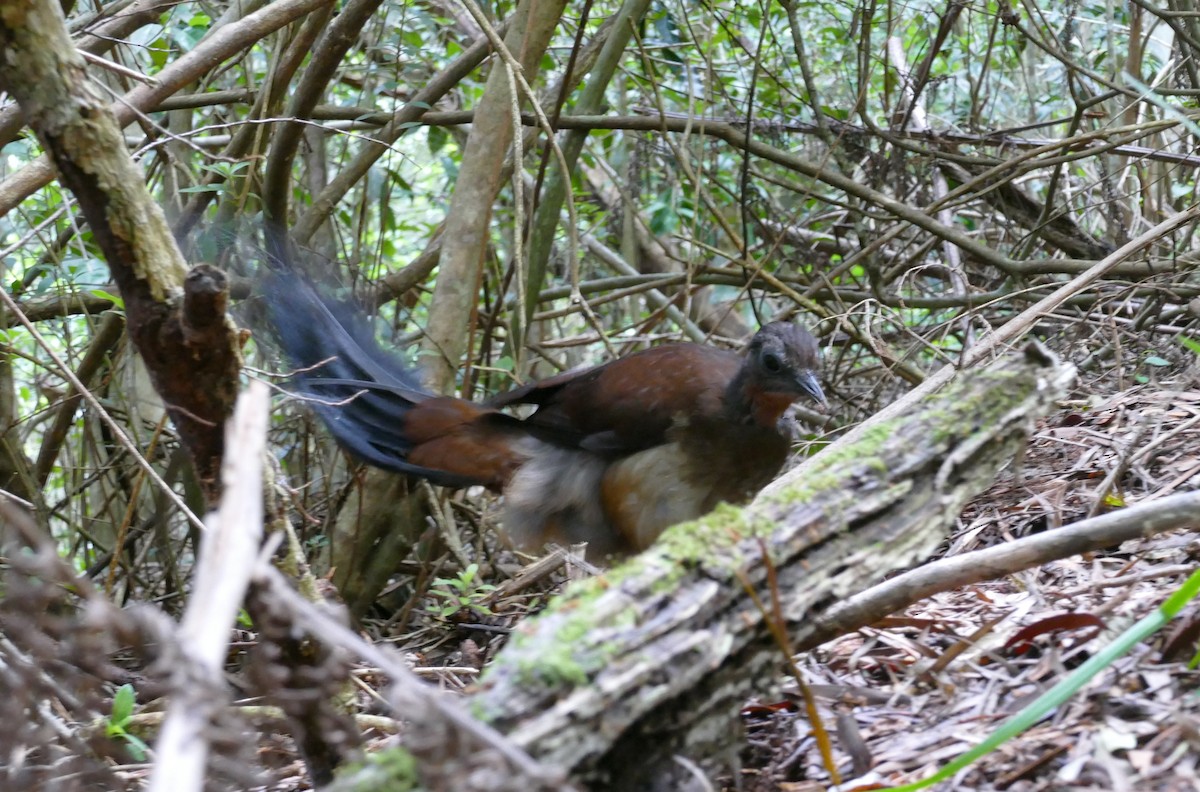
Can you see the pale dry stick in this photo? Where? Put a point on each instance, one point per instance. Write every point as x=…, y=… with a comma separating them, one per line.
x=119, y=433
x=1125, y=459
x=572, y=558
x=684, y=145
x=529, y=576
x=518, y=187
x=1182, y=478
x=1009, y=332
x=448, y=529
x=229, y=554
x=653, y=296
x=1154, y=445
x=116, y=68
x=1138, y=521
x=1127, y=580
x=644, y=285
x=437, y=671
x=577, y=566
x=917, y=123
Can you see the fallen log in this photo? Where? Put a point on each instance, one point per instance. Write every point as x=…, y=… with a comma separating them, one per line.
x=655, y=657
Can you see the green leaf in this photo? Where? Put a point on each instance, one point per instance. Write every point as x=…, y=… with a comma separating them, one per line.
x=1155, y=360
x=437, y=138
x=1181, y=597
x=1189, y=343
x=159, y=50
x=202, y=188
x=136, y=746
x=468, y=574
x=115, y=298
x=122, y=706
x=663, y=219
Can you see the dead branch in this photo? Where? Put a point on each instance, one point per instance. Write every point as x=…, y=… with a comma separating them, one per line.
x=1138, y=521
x=227, y=559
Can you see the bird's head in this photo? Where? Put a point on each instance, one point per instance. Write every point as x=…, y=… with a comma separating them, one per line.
x=783, y=360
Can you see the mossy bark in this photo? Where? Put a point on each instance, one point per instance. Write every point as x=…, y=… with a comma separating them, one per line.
x=655, y=657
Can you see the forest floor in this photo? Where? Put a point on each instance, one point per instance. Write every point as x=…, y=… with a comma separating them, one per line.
x=928, y=684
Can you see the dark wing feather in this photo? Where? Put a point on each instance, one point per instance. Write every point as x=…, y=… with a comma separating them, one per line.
x=628, y=404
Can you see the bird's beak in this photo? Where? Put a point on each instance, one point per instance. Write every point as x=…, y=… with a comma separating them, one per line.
x=807, y=380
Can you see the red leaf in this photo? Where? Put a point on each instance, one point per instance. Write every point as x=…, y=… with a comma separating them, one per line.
x=752, y=710
x=1022, y=642
x=1181, y=644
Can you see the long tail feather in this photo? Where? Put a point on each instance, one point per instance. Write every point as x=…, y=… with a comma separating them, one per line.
x=363, y=392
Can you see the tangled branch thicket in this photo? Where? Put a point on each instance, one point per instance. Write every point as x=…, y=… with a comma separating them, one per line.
x=906, y=178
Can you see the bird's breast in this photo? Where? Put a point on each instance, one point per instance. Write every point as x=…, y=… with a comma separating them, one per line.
x=647, y=492
x=703, y=465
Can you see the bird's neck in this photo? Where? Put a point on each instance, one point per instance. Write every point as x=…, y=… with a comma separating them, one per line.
x=747, y=402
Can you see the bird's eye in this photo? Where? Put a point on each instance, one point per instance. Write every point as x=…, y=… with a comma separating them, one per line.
x=772, y=363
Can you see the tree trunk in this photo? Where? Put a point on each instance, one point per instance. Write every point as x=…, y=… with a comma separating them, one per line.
x=469, y=216
x=190, y=346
